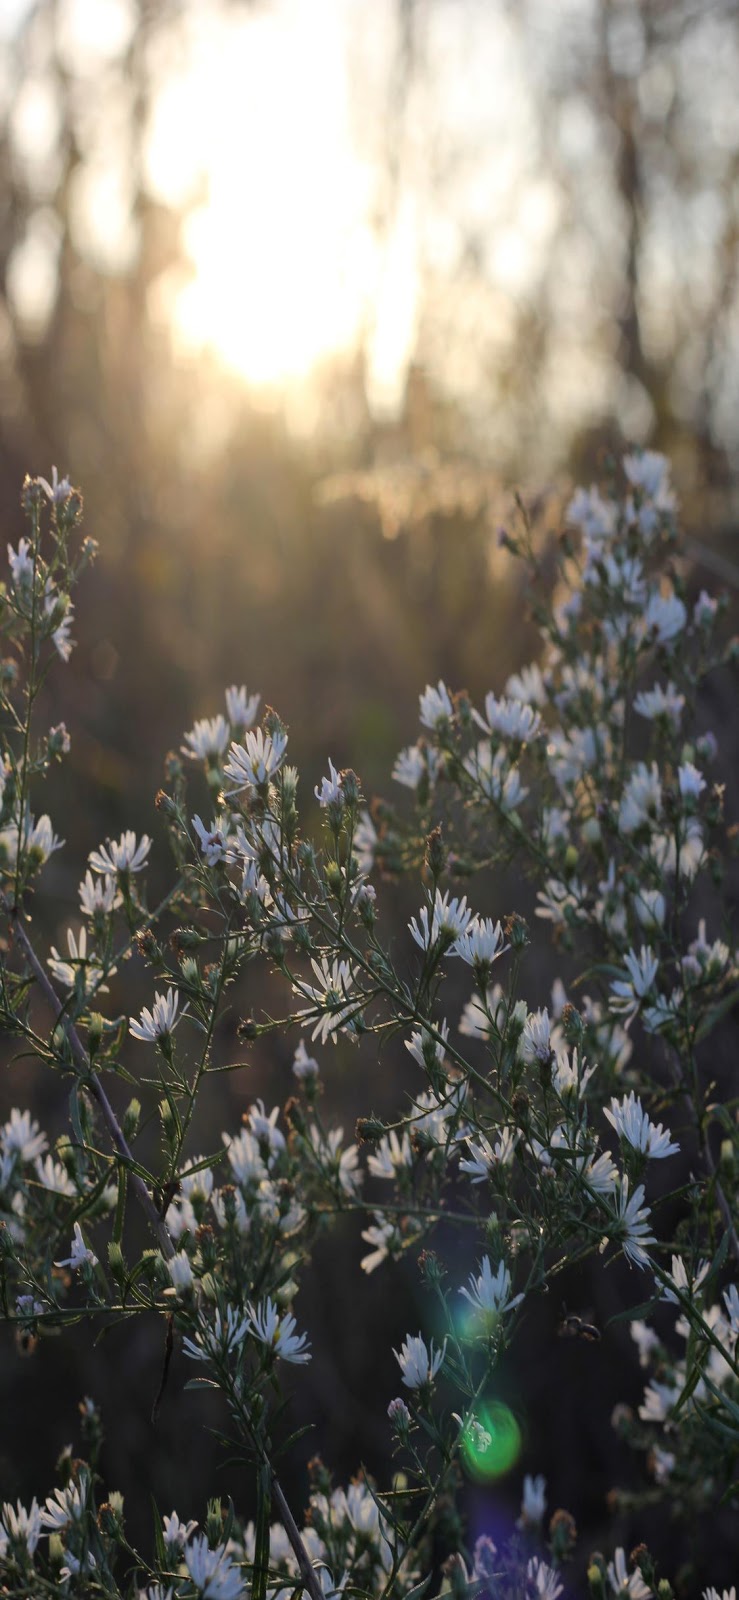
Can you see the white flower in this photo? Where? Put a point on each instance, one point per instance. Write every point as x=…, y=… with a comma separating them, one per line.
x=63, y=1507
x=21, y=1136
x=410, y=766
x=241, y=707
x=54, y=1177
x=481, y=945
x=435, y=705
x=631, y=1224
x=58, y=490
x=66, y=971
x=332, y=1006
x=41, y=838
x=176, y=1533
x=641, y=799
x=331, y=792
x=122, y=855
x=497, y=778
x=726, y=1594
x=490, y=1294
x=384, y=1236
x=485, y=1158
x=54, y=604
x=342, y=1164
x=593, y=515
x=180, y=1271
x=213, y=841
x=207, y=740
x=23, y=1527
x=212, y=1571
x=449, y=920
x=535, y=1042
x=659, y=1399
x=705, y=609
x=633, y=1125
x=417, y=1364
x=160, y=1022
x=691, y=781
x=731, y=1301
x=629, y=993
x=391, y=1155
x=269, y=1137
x=570, y=1077
x=220, y=1339
x=659, y=702
x=513, y=719
x=98, y=896
x=681, y=1281
x=664, y=618
x=21, y=563
x=80, y=1253
x=647, y=470
x=602, y=1175
x=623, y=1583
x=533, y=1501
x=544, y=1578
x=256, y=760
x=27, y=1308
x=266, y=1324
x=364, y=842
x=527, y=685
x=246, y=1159
x=645, y=1339
x=304, y=1066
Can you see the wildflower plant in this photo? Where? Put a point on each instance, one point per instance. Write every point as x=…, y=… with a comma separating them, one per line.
x=545, y=1133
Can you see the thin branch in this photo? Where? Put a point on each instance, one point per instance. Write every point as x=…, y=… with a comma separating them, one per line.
x=117, y=1136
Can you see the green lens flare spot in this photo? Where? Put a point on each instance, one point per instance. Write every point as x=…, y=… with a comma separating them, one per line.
x=491, y=1442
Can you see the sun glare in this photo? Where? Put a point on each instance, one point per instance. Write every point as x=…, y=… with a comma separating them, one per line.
x=286, y=269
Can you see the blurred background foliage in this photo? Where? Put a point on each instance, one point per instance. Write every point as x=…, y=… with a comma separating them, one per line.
x=298, y=292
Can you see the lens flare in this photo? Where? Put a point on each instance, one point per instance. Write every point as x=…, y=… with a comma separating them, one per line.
x=491, y=1442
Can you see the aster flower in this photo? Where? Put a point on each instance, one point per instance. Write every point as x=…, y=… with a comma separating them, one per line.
x=220, y=1338
x=480, y=945
x=435, y=706
x=22, y=1527
x=21, y=563
x=632, y=1124
x=450, y=919
x=80, y=1254
x=22, y=1137
x=410, y=766
x=385, y=1240
x=58, y=490
x=535, y=1043
x=241, y=707
x=98, y=896
x=254, y=762
x=54, y=1177
x=64, y=1507
x=304, y=1066
x=212, y=1571
x=533, y=1501
x=278, y=1333
x=180, y=1271
x=160, y=1022
x=332, y=1006
x=631, y=1224
x=544, y=1579
x=121, y=855
x=624, y=1583
x=331, y=792
x=176, y=1533
x=683, y=1282
x=512, y=719
x=418, y=1365
x=66, y=972
x=659, y=702
x=213, y=840
x=490, y=1293
x=629, y=993
x=207, y=740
